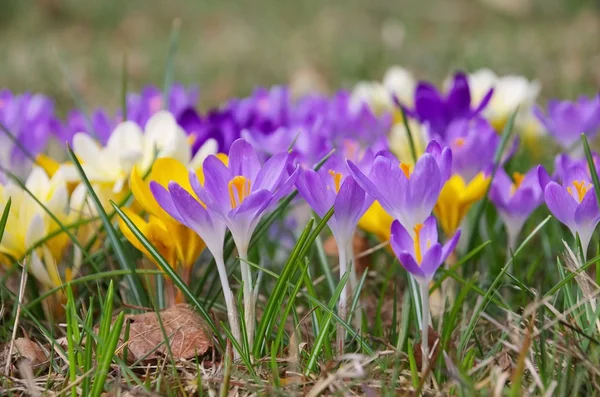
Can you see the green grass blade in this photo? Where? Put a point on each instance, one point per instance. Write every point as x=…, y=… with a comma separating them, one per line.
x=170, y=65
x=4, y=218
x=590, y=161
x=107, y=356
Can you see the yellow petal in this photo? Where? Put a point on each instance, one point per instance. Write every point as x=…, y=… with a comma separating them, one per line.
x=188, y=244
x=377, y=221
x=143, y=195
x=140, y=223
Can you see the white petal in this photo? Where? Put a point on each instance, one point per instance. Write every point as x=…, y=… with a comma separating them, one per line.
x=38, y=270
x=209, y=147
x=38, y=183
x=36, y=231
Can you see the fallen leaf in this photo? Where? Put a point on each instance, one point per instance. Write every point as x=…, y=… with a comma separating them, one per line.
x=434, y=342
x=29, y=350
x=188, y=334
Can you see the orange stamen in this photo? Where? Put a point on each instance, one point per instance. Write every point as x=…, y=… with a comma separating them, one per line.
x=417, y=242
x=337, y=179
x=581, y=187
x=518, y=178
x=406, y=169
x=241, y=185
x=460, y=142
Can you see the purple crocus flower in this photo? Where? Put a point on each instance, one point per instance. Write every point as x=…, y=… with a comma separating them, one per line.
x=515, y=200
x=30, y=119
x=240, y=194
x=438, y=111
x=140, y=107
x=474, y=143
x=563, y=163
x=217, y=124
x=101, y=123
x=408, y=196
x=189, y=211
x=420, y=253
x=573, y=202
x=566, y=120
x=333, y=187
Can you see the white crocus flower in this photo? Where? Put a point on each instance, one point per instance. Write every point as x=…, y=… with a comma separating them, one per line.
x=379, y=96
x=510, y=92
x=129, y=146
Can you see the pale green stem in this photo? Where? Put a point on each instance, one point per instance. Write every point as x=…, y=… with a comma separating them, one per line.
x=343, y=302
x=248, y=295
x=425, y=324
x=232, y=312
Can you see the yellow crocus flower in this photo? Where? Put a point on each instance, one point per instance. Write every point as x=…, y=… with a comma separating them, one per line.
x=377, y=221
x=456, y=198
x=176, y=242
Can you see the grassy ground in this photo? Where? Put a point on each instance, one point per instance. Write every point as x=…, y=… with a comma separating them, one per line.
x=516, y=325
x=230, y=47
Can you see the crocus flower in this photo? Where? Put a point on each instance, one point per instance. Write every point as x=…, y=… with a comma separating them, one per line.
x=30, y=121
x=128, y=147
x=333, y=187
x=564, y=162
x=100, y=122
x=182, y=203
x=407, y=195
x=515, y=200
x=566, y=121
x=510, y=92
x=179, y=245
x=473, y=144
x=420, y=253
x=438, y=111
x=397, y=82
x=573, y=202
x=239, y=194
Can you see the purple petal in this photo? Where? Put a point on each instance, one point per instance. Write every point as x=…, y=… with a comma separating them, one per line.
x=216, y=182
x=272, y=172
x=243, y=160
x=163, y=198
x=349, y=204
x=459, y=98
x=432, y=259
x=484, y=102
x=543, y=177
x=450, y=246
x=560, y=203
x=314, y=191
x=587, y=211
x=424, y=188
x=400, y=239
x=408, y=262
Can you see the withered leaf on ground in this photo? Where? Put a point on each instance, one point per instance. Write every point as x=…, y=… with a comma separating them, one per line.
x=23, y=349
x=187, y=332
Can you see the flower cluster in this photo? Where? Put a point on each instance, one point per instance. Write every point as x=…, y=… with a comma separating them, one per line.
x=186, y=178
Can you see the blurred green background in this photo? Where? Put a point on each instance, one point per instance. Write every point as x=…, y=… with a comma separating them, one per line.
x=229, y=47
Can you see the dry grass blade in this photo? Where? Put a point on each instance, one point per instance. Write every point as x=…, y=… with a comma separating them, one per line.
x=17, y=317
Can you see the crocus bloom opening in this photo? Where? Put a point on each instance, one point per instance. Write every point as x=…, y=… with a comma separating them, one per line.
x=510, y=92
x=181, y=202
x=438, y=111
x=406, y=194
x=456, y=198
x=566, y=121
x=239, y=194
x=128, y=147
x=573, y=202
x=29, y=119
x=515, y=199
x=419, y=251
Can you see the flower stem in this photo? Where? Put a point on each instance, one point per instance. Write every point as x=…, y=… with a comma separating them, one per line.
x=425, y=324
x=232, y=312
x=343, y=302
x=248, y=295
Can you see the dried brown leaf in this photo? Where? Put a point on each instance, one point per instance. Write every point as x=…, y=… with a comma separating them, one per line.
x=187, y=332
